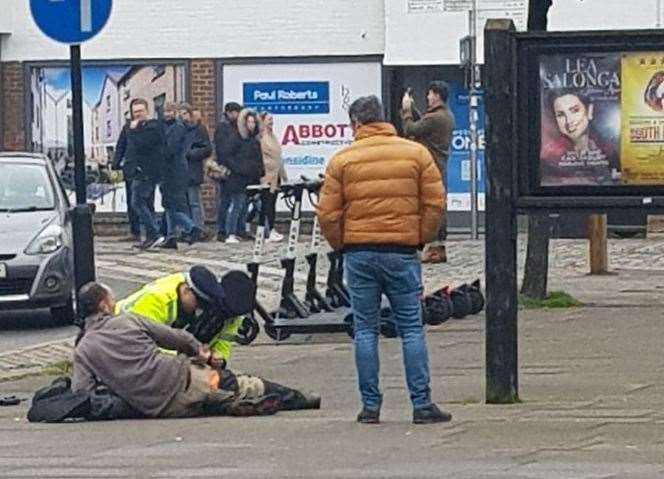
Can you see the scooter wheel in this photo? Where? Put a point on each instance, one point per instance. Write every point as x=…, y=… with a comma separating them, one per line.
x=275, y=333
x=248, y=331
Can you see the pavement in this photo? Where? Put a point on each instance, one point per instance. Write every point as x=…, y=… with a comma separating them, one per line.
x=591, y=384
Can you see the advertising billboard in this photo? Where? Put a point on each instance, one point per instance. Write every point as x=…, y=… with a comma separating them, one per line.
x=107, y=92
x=458, y=165
x=602, y=120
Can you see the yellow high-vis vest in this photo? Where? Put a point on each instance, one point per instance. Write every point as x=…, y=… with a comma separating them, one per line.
x=158, y=302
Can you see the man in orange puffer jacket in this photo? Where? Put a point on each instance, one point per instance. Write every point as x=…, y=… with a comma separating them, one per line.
x=382, y=200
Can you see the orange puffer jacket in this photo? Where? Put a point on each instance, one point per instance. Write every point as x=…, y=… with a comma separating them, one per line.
x=381, y=190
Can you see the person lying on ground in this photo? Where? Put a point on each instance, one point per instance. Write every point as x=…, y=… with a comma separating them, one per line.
x=123, y=353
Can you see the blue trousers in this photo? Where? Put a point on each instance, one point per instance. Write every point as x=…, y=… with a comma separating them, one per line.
x=369, y=275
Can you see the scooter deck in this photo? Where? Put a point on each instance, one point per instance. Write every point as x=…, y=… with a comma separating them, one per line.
x=326, y=322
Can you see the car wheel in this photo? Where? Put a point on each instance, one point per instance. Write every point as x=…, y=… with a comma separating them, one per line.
x=64, y=314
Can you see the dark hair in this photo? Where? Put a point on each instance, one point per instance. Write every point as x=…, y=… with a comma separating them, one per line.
x=366, y=109
x=232, y=106
x=90, y=296
x=137, y=101
x=560, y=92
x=186, y=107
x=440, y=88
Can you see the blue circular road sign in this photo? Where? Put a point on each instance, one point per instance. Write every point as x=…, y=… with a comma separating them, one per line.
x=70, y=21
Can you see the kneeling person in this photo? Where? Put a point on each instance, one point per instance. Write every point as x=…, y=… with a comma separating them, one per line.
x=196, y=298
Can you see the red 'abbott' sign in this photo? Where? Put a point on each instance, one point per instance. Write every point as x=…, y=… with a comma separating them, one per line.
x=318, y=134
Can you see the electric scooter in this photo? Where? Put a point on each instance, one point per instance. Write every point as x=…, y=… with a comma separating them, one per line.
x=313, y=299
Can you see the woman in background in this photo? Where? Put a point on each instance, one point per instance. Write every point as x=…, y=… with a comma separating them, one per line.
x=274, y=171
x=246, y=169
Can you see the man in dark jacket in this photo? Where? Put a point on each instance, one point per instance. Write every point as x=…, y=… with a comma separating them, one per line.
x=433, y=130
x=176, y=179
x=124, y=161
x=141, y=156
x=198, y=150
x=226, y=143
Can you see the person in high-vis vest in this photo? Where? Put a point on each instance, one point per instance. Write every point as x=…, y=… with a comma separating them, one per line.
x=197, y=301
x=212, y=311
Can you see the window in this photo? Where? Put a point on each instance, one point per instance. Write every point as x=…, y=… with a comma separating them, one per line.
x=109, y=129
x=96, y=133
x=108, y=102
x=25, y=186
x=159, y=102
x=159, y=70
x=69, y=103
x=127, y=94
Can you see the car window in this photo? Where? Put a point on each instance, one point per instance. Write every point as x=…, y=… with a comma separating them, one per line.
x=25, y=187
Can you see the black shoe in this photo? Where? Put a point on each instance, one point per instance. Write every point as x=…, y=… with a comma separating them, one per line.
x=430, y=415
x=221, y=237
x=150, y=243
x=169, y=243
x=297, y=401
x=367, y=416
x=196, y=235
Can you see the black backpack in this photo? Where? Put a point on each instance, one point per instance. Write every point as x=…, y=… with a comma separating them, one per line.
x=57, y=403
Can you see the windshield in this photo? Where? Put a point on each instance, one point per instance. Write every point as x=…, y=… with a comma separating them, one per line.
x=25, y=187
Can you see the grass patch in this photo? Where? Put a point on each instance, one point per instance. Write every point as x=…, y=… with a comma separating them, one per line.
x=555, y=299
x=60, y=368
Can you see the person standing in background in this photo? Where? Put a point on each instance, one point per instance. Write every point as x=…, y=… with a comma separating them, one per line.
x=246, y=167
x=176, y=179
x=434, y=130
x=145, y=142
x=198, y=149
x=274, y=171
x=226, y=144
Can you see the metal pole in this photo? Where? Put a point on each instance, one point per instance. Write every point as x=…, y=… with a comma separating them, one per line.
x=77, y=110
x=473, y=117
x=84, y=260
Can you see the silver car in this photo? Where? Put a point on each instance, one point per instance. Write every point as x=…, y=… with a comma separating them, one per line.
x=36, y=253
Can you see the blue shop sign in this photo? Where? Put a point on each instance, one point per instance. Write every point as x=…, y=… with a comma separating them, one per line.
x=288, y=98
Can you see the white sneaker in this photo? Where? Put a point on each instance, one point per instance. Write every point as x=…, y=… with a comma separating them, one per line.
x=232, y=239
x=275, y=237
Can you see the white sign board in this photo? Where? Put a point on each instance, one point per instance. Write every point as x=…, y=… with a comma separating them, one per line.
x=432, y=38
x=309, y=102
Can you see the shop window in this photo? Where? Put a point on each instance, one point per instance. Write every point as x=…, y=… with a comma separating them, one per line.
x=159, y=71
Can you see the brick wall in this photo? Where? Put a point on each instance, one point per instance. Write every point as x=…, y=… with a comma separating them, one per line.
x=11, y=106
x=203, y=96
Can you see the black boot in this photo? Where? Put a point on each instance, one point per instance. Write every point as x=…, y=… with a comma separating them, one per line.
x=291, y=399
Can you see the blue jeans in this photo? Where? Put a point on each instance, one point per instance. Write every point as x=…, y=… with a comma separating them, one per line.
x=223, y=202
x=195, y=205
x=369, y=275
x=142, y=192
x=175, y=218
x=237, y=213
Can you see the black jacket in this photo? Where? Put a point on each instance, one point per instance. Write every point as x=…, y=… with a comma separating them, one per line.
x=246, y=166
x=176, y=170
x=140, y=151
x=198, y=148
x=226, y=142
